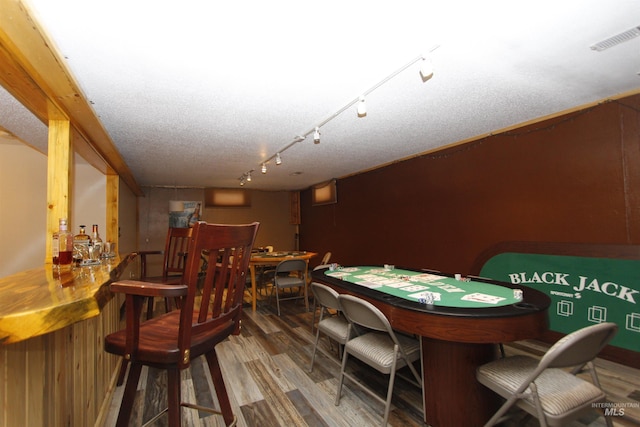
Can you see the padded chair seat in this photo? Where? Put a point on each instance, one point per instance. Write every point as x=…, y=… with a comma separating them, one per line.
x=337, y=327
x=376, y=349
x=290, y=273
x=560, y=392
x=290, y=281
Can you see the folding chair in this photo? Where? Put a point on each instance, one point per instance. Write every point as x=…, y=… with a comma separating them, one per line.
x=542, y=388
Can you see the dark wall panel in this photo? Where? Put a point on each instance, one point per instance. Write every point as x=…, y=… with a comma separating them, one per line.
x=573, y=179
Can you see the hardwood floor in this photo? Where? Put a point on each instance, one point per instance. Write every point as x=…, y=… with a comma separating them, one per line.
x=269, y=385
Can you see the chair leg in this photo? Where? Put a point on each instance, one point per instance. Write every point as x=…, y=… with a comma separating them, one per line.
x=149, y=308
x=498, y=416
x=345, y=356
x=218, y=384
x=129, y=395
x=123, y=371
x=313, y=353
x=392, y=378
x=313, y=319
x=173, y=397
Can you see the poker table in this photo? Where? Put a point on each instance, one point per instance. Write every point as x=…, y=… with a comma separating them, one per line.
x=459, y=331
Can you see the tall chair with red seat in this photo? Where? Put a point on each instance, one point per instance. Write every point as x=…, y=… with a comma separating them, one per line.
x=209, y=314
x=175, y=253
x=173, y=263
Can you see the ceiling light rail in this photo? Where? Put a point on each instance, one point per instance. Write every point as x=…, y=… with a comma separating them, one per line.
x=426, y=72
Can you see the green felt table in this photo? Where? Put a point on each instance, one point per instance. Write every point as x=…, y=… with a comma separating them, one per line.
x=412, y=286
x=457, y=333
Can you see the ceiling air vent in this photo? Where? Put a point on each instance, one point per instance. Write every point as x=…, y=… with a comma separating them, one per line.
x=617, y=39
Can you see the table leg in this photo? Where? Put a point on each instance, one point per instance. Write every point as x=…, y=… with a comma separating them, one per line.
x=452, y=395
x=306, y=288
x=252, y=270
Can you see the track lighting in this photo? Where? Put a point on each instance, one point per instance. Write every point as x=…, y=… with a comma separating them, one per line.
x=362, y=107
x=426, y=72
x=426, y=68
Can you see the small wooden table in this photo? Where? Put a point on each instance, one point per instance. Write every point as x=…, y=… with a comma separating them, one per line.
x=273, y=258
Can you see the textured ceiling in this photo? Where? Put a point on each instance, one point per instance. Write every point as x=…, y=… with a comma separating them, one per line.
x=198, y=92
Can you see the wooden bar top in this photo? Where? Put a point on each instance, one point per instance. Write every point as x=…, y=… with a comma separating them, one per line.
x=45, y=299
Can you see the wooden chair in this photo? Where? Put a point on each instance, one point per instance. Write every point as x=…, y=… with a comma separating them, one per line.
x=175, y=253
x=207, y=316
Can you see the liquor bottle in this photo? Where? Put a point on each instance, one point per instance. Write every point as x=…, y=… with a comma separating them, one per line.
x=81, y=242
x=62, y=245
x=97, y=242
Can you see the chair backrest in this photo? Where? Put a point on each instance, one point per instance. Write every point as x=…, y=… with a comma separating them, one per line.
x=364, y=313
x=325, y=296
x=326, y=258
x=222, y=286
x=289, y=265
x=579, y=347
x=175, y=251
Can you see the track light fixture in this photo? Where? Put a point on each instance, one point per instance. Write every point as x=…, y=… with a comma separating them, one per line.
x=362, y=107
x=426, y=73
x=426, y=68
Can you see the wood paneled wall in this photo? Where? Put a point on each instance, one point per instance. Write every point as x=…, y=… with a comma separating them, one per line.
x=574, y=178
x=61, y=378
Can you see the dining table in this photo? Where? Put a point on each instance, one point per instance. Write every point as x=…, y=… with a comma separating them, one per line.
x=271, y=259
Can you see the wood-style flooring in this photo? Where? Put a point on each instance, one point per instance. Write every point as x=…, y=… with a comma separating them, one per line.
x=266, y=369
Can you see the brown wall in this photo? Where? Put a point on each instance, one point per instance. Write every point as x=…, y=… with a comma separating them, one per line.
x=270, y=208
x=575, y=178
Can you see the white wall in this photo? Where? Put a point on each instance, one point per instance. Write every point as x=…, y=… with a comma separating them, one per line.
x=89, y=198
x=23, y=207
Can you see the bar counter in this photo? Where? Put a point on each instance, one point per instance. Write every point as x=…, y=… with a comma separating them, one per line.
x=52, y=326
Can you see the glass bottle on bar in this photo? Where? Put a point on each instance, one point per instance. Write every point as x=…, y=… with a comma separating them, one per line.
x=81, y=242
x=62, y=244
x=97, y=242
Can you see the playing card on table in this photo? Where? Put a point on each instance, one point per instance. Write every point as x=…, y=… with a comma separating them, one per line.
x=478, y=297
x=414, y=288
